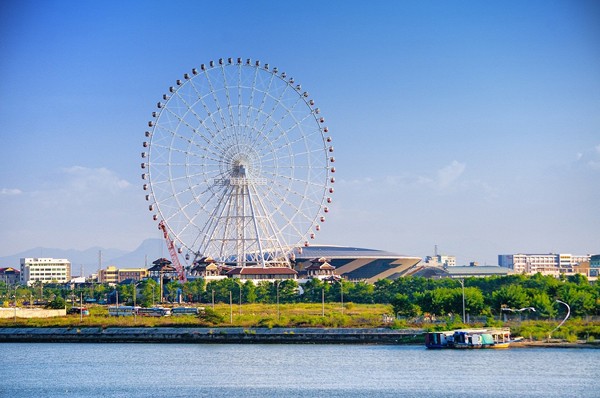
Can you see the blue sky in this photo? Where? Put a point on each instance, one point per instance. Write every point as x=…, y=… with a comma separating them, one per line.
x=471, y=125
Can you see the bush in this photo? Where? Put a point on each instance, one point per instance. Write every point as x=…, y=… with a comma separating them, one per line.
x=211, y=316
x=57, y=304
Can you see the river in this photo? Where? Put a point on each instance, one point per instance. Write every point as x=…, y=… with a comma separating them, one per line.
x=214, y=370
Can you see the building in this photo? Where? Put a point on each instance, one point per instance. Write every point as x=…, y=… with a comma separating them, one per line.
x=460, y=271
x=10, y=276
x=45, y=270
x=354, y=263
x=113, y=274
x=594, y=267
x=136, y=274
x=441, y=260
x=547, y=264
x=260, y=274
x=109, y=275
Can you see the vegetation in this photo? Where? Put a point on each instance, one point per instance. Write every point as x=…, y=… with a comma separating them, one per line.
x=406, y=302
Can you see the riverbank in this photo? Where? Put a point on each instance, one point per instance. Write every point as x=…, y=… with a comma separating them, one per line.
x=235, y=335
x=213, y=335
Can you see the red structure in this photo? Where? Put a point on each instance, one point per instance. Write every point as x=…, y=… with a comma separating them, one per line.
x=173, y=252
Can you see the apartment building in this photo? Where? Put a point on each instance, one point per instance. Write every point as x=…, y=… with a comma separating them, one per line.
x=113, y=274
x=547, y=264
x=46, y=270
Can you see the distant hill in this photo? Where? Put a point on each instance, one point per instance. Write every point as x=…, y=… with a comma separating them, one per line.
x=148, y=251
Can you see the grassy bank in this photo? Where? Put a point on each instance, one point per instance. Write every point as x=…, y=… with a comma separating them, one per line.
x=246, y=315
x=310, y=315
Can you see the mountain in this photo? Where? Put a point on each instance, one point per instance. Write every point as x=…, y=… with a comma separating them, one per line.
x=148, y=251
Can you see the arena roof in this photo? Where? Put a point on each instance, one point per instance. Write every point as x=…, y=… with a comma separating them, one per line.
x=356, y=263
x=319, y=251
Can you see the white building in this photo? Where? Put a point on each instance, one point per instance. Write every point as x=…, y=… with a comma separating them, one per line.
x=46, y=270
x=547, y=264
x=441, y=260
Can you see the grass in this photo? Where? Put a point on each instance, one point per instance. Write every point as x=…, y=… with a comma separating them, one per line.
x=306, y=315
x=248, y=316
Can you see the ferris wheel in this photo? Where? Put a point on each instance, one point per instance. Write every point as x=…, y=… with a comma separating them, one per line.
x=237, y=164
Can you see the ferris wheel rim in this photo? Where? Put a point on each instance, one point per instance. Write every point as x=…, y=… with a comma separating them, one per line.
x=289, y=185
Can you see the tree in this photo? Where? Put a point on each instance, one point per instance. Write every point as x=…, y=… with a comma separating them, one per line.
x=150, y=293
x=382, y=291
x=581, y=301
x=474, y=302
x=360, y=292
x=312, y=290
x=437, y=301
x=511, y=296
x=544, y=307
x=193, y=290
x=57, y=303
x=403, y=306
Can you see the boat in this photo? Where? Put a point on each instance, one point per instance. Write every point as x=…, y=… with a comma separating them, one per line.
x=469, y=338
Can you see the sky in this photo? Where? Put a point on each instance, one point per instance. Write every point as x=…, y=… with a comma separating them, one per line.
x=470, y=125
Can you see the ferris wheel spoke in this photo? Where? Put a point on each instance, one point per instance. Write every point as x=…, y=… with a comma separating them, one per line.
x=229, y=105
x=205, y=107
x=175, y=135
x=267, y=116
x=190, y=108
x=302, y=195
x=216, y=99
x=263, y=100
x=283, y=215
x=278, y=123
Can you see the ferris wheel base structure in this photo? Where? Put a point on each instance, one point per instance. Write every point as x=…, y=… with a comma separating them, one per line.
x=238, y=164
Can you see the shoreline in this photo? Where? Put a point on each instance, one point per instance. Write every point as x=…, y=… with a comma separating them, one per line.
x=239, y=335
x=232, y=335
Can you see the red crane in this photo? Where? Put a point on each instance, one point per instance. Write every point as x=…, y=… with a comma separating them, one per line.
x=174, y=257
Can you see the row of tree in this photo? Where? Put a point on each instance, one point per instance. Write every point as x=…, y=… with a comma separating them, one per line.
x=410, y=296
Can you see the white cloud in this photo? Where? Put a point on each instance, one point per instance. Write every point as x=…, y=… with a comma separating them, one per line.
x=447, y=175
x=10, y=191
x=88, y=206
x=589, y=159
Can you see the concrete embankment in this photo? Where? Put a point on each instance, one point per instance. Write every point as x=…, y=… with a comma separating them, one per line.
x=212, y=335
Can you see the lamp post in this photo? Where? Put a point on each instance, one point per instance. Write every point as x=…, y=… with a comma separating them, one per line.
x=322, y=302
x=134, y=299
x=230, y=309
x=15, y=302
x=277, y=294
x=213, y=299
x=563, y=321
x=462, y=283
x=342, y=294
x=240, y=298
x=117, y=300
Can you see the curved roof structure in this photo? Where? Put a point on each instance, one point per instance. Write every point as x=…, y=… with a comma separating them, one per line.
x=356, y=263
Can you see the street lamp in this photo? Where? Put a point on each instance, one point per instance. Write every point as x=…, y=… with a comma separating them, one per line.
x=323, y=302
x=563, y=321
x=230, y=309
x=134, y=298
x=342, y=294
x=277, y=293
x=462, y=283
x=16, y=302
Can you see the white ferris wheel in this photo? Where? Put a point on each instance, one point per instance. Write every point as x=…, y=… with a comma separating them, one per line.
x=238, y=164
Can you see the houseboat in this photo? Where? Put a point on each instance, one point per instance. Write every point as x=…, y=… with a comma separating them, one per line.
x=469, y=338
